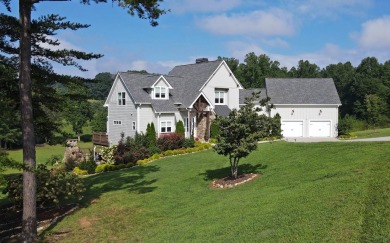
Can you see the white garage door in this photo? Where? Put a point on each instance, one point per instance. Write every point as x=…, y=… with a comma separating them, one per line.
x=319, y=129
x=292, y=128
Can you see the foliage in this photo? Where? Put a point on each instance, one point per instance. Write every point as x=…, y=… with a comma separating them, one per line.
x=170, y=141
x=53, y=187
x=88, y=165
x=214, y=130
x=101, y=86
x=180, y=128
x=53, y=159
x=79, y=171
x=107, y=154
x=375, y=107
x=72, y=157
x=154, y=150
x=99, y=119
x=276, y=127
x=189, y=143
x=151, y=135
x=240, y=132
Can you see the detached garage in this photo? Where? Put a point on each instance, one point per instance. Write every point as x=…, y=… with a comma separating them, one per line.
x=308, y=107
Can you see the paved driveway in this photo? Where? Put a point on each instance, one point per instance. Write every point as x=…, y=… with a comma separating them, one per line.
x=318, y=140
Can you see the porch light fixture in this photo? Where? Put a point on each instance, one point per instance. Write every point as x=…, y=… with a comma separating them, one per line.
x=292, y=112
x=320, y=112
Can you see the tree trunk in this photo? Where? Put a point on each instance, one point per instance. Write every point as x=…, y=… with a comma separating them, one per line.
x=29, y=225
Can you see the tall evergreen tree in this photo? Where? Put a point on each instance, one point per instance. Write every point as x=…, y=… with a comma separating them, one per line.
x=30, y=33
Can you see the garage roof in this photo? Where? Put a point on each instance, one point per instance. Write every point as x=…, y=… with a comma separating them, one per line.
x=302, y=91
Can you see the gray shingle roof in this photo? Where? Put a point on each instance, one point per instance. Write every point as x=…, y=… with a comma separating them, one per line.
x=302, y=91
x=245, y=93
x=188, y=79
x=137, y=85
x=222, y=110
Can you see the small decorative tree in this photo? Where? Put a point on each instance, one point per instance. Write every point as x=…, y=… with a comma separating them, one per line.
x=151, y=135
x=241, y=130
x=180, y=128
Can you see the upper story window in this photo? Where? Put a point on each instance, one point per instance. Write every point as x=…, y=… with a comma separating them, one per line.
x=160, y=92
x=121, y=98
x=220, y=97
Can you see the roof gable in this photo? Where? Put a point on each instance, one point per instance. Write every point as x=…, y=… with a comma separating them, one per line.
x=162, y=79
x=302, y=91
x=118, y=79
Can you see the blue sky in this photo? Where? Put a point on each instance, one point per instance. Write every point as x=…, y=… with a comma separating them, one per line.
x=321, y=31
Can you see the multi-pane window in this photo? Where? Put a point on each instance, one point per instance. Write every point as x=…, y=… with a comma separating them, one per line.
x=121, y=98
x=133, y=126
x=160, y=92
x=219, y=97
x=166, y=126
x=117, y=122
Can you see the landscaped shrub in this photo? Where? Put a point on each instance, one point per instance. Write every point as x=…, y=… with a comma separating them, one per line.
x=168, y=153
x=103, y=167
x=72, y=157
x=54, y=159
x=154, y=150
x=53, y=186
x=180, y=128
x=189, y=143
x=88, y=165
x=151, y=135
x=107, y=154
x=79, y=171
x=170, y=141
x=214, y=130
x=276, y=126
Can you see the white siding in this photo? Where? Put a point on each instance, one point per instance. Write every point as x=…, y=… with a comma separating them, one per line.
x=307, y=113
x=124, y=113
x=146, y=116
x=223, y=79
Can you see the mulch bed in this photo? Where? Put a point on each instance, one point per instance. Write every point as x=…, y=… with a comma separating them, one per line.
x=229, y=182
x=11, y=219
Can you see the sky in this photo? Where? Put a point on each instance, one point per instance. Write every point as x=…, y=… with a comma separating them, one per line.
x=321, y=31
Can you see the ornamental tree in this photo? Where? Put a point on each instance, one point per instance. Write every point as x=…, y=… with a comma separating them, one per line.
x=241, y=130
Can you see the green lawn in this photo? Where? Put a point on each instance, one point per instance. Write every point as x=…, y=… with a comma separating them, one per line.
x=383, y=132
x=309, y=192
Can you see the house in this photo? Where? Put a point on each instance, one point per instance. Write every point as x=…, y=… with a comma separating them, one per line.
x=196, y=93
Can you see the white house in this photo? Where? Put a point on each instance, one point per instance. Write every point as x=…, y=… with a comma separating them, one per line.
x=195, y=93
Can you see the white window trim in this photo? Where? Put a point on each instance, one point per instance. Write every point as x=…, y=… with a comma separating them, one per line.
x=117, y=122
x=133, y=126
x=164, y=124
x=219, y=92
x=160, y=88
x=186, y=124
x=121, y=98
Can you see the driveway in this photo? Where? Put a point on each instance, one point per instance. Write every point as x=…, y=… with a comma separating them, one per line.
x=318, y=140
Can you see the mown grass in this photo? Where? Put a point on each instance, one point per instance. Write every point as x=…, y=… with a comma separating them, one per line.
x=373, y=133
x=319, y=192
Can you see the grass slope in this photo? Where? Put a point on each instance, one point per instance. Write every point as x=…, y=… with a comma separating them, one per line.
x=323, y=192
x=383, y=132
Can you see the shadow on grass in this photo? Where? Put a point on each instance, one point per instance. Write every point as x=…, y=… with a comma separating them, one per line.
x=223, y=172
x=132, y=180
x=129, y=180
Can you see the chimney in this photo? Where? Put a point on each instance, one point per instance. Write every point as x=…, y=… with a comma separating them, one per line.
x=202, y=60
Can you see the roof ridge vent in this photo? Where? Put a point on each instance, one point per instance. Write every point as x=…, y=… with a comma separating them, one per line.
x=202, y=60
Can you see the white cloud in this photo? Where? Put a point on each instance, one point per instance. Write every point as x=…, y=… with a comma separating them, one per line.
x=274, y=22
x=205, y=6
x=375, y=34
x=316, y=8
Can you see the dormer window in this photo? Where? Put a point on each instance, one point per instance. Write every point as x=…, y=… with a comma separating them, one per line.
x=220, y=97
x=160, y=92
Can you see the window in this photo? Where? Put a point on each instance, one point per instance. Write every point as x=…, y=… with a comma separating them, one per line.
x=133, y=126
x=117, y=122
x=166, y=126
x=160, y=92
x=219, y=97
x=121, y=98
